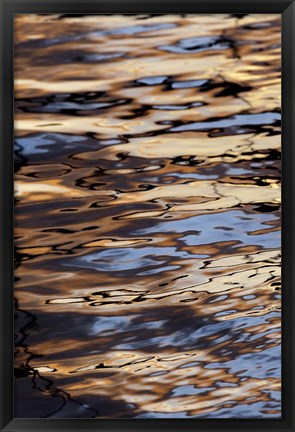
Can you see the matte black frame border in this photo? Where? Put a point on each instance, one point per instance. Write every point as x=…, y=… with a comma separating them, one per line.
x=10, y=7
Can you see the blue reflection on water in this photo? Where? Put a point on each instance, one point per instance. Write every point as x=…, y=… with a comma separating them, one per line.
x=236, y=120
x=209, y=228
x=118, y=259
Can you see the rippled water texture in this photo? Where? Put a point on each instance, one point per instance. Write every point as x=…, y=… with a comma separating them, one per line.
x=147, y=219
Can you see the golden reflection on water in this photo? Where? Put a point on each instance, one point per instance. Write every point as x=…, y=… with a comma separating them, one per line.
x=147, y=218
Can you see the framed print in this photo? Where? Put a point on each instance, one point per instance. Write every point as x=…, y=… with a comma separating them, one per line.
x=147, y=234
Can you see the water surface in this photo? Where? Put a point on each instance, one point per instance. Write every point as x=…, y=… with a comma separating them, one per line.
x=147, y=217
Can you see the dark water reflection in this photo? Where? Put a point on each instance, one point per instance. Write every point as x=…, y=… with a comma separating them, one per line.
x=147, y=218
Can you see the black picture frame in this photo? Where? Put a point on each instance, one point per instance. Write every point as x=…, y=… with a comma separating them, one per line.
x=287, y=9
